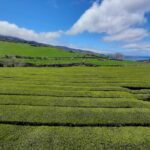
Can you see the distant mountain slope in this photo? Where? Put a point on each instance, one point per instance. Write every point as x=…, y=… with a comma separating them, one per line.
x=16, y=52
x=37, y=44
x=19, y=40
x=24, y=49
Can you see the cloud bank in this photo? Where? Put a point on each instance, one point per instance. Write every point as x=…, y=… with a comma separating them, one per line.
x=120, y=20
x=10, y=29
x=138, y=46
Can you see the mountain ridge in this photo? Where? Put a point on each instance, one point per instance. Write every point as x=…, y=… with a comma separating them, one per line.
x=87, y=52
x=38, y=44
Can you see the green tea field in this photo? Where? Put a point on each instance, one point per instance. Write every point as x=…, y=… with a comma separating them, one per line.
x=75, y=108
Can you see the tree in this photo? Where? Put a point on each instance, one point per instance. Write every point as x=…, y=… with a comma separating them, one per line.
x=118, y=56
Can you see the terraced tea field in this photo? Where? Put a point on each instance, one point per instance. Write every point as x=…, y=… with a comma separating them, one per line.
x=75, y=108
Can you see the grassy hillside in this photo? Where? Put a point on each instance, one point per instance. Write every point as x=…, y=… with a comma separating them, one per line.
x=20, y=54
x=9, y=48
x=76, y=108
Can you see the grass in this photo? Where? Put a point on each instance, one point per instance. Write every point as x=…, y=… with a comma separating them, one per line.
x=60, y=138
x=44, y=92
x=75, y=108
x=75, y=116
x=72, y=102
x=19, y=54
x=19, y=49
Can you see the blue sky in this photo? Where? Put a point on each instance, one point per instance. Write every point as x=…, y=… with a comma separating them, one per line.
x=106, y=26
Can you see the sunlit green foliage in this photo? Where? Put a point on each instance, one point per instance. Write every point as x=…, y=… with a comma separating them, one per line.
x=19, y=54
x=75, y=108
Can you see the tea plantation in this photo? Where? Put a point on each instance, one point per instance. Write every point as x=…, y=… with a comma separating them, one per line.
x=75, y=108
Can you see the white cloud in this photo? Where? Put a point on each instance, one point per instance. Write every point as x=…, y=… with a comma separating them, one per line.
x=138, y=46
x=128, y=35
x=114, y=17
x=9, y=29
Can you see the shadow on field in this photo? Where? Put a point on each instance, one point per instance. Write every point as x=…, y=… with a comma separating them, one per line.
x=74, y=125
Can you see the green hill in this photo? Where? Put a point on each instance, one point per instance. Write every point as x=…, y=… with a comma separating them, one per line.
x=20, y=49
x=14, y=54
